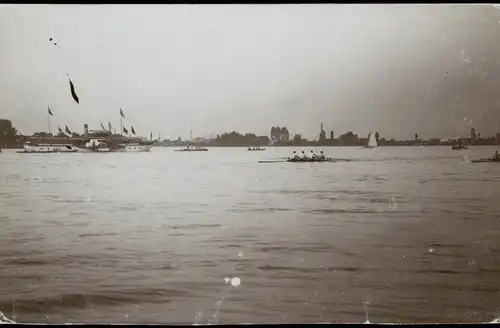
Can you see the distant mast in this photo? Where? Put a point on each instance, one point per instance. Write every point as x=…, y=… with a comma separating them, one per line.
x=50, y=114
x=122, y=116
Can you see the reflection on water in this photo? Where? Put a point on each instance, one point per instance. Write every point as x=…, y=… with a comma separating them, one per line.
x=397, y=234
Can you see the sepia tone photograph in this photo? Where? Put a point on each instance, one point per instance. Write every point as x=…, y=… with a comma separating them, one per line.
x=205, y=164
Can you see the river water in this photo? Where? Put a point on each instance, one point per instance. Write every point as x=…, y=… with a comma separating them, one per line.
x=403, y=234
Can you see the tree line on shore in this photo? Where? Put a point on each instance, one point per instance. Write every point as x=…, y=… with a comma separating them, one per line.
x=8, y=134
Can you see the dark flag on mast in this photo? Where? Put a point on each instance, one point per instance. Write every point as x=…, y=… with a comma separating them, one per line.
x=50, y=112
x=132, y=129
x=110, y=127
x=60, y=131
x=121, y=113
x=125, y=130
x=73, y=92
x=102, y=126
x=68, y=130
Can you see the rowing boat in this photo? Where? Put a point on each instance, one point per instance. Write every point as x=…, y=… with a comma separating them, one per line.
x=199, y=149
x=330, y=160
x=486, y=160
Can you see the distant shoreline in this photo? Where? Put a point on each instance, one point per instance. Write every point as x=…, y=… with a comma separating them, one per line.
x=305, y=146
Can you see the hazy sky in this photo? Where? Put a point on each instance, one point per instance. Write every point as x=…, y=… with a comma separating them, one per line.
x=396, y=69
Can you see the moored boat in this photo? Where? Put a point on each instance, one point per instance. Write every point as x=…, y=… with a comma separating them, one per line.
x=95, y=145
x=90, y=141
x=133, y=148
x=102, y=145
x=30, y=148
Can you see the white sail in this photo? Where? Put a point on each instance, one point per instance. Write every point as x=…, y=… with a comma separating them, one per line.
x=372, y=142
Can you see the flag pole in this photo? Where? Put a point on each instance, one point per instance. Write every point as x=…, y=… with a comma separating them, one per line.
x=121, y=125
x=49, y=126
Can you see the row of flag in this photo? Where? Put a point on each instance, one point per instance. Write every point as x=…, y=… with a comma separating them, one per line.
x=68, y=131
x=124, y=128
x=110, y=127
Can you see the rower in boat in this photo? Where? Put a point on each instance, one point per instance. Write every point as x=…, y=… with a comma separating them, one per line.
x=312, y=155
x=303, y=156
x=496, y=157
x=294, y=155
x=321, y=155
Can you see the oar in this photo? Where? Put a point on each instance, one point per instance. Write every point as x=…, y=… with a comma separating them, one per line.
x=271, y=161
x=326, y=161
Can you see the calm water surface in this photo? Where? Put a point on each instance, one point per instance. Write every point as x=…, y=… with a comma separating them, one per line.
x=399, y=234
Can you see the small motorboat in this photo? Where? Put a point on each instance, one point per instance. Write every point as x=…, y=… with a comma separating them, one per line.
x=255, y=149
x=460, y=145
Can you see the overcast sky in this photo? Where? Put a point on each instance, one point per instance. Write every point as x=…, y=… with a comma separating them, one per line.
x=396, y=69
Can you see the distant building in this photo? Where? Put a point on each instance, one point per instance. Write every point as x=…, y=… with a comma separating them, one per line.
x=322, y=134
x=473, y=136
x=331, y=135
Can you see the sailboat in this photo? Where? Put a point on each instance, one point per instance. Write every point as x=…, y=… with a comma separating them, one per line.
x=372, y=142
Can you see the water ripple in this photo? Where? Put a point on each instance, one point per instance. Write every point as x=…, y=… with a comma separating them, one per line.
x=403, y=234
